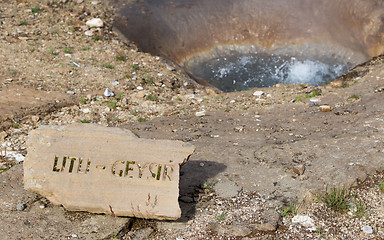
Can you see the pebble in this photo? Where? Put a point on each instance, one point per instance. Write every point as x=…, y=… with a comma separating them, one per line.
x=200, y=114
x=325, y=108
x=108, y=93
x=140, y=88
x=115, y=83
x=367, y=229
x=314, y=101
x=258, y=93
x=15, y=156
x=304, y=221
x=89, y=33
x=20, y=207
x=95, y=22
x=232, y=101
x=71, y=92
x=298, y=169
x=86, y=110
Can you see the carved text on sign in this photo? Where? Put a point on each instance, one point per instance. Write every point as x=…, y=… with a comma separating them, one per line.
x=129, y=169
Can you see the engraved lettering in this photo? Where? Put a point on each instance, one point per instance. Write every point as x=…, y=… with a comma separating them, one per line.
x=72, y=163
x=127, y=169
x=168, y=170
x=141, y=169
x=55, y=169
x=120, y=173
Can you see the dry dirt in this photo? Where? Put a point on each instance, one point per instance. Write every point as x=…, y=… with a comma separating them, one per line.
x=241, y=174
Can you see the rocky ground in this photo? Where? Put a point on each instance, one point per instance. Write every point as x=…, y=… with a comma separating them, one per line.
x=264, y=157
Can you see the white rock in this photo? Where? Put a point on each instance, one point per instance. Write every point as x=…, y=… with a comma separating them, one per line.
x=88, y=33
x=232, y=101
x=200, y=114
x=15, y=156
x=258, y=93
x=304, y=221
x=86, y=110
x=367, y=229
x=108, y=93
x=140, y=88
x=115, y=83
x=96, y=22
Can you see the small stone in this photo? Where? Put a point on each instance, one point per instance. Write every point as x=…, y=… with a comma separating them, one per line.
x=74, y=235
x=89, y=33
x=303, y=177
x=115, y=83
x=140, y=88
x=71, y=92
x=200, y=114
x=201, y=164
x=108, y=93
x=325, y=108
x=232, y=101
x=86, y=110
x=304, y=221
x=20, y=207
x=298, y=169
x=367, y=229
x=3, y=135
x=210, y=91
x=336, y=84
x=258, y=93
x=96, y=22
x=314, y=101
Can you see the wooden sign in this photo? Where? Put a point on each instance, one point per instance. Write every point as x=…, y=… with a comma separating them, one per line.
x=87, y=167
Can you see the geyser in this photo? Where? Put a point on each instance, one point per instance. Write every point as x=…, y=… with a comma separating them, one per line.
x=235, y=45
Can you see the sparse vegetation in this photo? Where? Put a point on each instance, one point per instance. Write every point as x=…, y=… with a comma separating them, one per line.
x=121, y=58
x=109, y=66
x=16, y=126
x=82, y=100
x=314, y=93
x=353, y=97
x=127, y=76
x=290, y=210
x=381, y=186
x=150, y=97
x=149, y=80
x=23, y=23
x=68, y=50
x=111, y=104
x=298, y=99
x=96, y=38
x=141, y=119
x=84, y=121
x=336, y=198
x=53, y=52
x=360, y=208
x=222, y=216
x=135, y=67
x=36, y=10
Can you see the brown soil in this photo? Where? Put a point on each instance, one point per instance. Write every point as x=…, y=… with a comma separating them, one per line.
x=246, y=146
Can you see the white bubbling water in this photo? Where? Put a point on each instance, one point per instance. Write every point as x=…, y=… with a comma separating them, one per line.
x=310, y=72
x=239, y=72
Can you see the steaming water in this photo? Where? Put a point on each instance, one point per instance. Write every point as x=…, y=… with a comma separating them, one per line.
x=240, y=72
